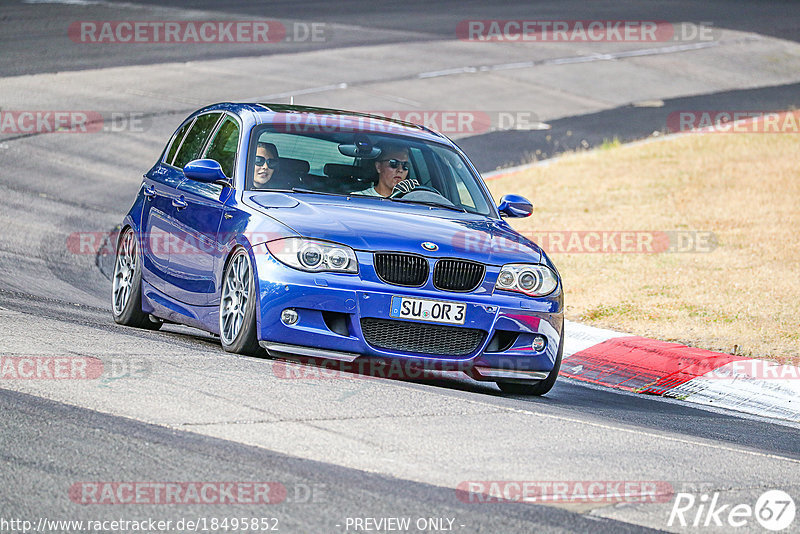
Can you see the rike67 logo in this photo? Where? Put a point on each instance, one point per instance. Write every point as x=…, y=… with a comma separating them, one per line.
x=774, y=510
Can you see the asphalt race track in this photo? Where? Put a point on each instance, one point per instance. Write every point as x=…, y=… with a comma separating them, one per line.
x=176, y=407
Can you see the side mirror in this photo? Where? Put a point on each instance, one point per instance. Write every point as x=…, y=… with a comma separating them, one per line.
x=205, y=170
x=515, y=206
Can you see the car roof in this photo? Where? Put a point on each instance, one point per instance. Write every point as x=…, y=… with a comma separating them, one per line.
x=288, y=114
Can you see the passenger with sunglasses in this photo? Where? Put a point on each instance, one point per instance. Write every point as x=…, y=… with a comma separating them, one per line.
x=266, y=163
x=392, y=166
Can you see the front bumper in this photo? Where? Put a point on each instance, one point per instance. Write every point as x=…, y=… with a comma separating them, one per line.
x=331, y=308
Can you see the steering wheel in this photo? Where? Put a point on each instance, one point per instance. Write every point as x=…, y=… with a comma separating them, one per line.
x=401, y=194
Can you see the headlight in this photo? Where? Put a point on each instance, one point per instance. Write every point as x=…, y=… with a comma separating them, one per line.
x=314, y=256
x=311, y=256
x=532, y=279
x=506, y=279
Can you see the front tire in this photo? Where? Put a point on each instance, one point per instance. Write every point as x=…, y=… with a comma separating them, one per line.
x=126, y=284
x=237, y=306
x=537, y=388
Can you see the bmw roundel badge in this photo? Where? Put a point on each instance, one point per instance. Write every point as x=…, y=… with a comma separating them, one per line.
x=427, y=245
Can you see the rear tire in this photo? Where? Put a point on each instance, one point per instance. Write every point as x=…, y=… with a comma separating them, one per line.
x=237, y=306
x=126, y=284
x=536, y=388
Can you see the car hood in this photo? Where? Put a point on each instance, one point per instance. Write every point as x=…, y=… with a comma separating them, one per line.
x=373, y=224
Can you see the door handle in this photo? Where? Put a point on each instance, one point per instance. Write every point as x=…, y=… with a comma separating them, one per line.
x=149, y=192
x=179, y=203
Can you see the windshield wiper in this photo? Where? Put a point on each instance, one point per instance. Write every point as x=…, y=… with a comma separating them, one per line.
x=429, y=203
x=303, y=190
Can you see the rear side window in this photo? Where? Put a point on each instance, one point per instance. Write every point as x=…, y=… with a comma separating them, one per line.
x=196, y=139
x=176, y=142
x=224, y=146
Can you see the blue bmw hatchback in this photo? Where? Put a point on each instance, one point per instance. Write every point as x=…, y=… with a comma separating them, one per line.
x=319, y=233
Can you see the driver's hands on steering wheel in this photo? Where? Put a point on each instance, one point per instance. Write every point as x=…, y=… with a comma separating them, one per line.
x=405, y=186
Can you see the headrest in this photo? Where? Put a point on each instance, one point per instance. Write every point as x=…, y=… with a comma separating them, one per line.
x=293, y=166
x=340, y=171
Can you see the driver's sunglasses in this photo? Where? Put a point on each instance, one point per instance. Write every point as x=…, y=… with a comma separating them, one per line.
x=394, y=163
x=272, y=163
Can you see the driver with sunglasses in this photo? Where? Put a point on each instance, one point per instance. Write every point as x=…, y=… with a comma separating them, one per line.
x=392, y=169
x=266, y=163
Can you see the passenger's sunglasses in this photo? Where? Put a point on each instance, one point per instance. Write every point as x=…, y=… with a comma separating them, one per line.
x=394, y=163
x=272, y=163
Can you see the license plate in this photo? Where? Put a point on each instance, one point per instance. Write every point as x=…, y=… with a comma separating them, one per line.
x=434, y=311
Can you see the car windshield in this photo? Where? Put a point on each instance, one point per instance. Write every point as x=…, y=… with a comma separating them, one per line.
x=366, y=164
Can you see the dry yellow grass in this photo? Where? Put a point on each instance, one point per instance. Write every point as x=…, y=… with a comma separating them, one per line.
x=743, y=297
